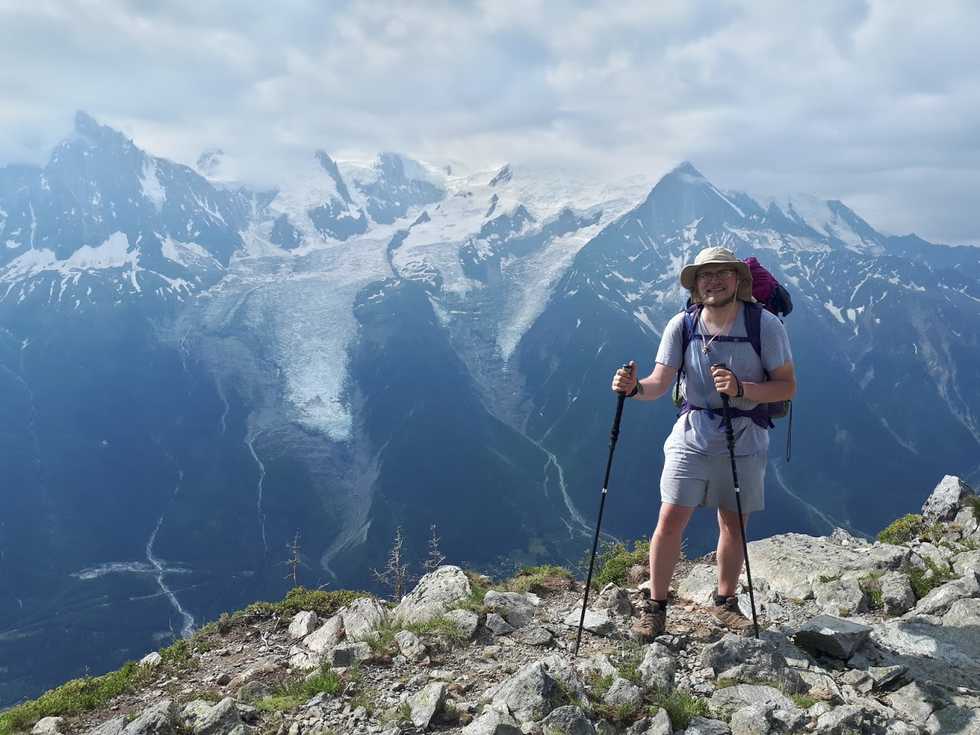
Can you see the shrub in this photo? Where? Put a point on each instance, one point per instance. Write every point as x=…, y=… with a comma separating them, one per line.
x=615, y=560
x=903, y=530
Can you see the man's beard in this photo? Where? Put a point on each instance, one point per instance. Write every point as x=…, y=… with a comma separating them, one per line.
x=722, y=304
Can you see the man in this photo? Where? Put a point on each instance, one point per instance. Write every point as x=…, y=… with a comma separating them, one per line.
x=697, y=468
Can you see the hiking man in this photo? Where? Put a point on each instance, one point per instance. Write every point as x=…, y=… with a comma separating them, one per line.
x=697, y=468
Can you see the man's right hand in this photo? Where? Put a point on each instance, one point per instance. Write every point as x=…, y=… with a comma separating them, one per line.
x=625, y=379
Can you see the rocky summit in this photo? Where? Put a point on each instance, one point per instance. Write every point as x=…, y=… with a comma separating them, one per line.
x=857, y=636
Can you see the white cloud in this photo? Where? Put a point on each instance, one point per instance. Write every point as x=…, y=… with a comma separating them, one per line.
x=876, y=103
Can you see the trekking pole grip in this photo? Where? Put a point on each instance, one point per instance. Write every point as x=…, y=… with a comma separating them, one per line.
x=620, y=401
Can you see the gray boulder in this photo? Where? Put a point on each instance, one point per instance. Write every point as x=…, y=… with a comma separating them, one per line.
x=659, y=724
x=735, y=657
x=793, y=563
x=623, y=694
x=967, y=562
x=467, y=622
x=841, y=596
x=596, y=621
x=705, y=726
x=833, y=636
x=515, y=608
x=614, y=599
x=410, y=645
x=348, y=654
x=362, y=618
x=537, y=688
x=534, y=635
x=203, y=718
x=110, y=727
x=939, y=600
x=435, y=594
x=915, y=702
x=840, y=720
x=699, y=583
x=311, y=650
x=726, y=701
x=497, y=625
x=159, y=719
x=945, y=500
x=567, y=720
x=302, y=624
x=426, y=703
x=658, y=668
x=897, y=595
x=48, y=726
x=493, y=721
x=151, y=660
x=964, y=614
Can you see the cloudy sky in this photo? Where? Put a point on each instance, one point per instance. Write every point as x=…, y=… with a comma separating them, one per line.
x=876, y=103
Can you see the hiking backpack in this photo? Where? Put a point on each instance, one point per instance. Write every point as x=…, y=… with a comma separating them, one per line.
x=770, y=295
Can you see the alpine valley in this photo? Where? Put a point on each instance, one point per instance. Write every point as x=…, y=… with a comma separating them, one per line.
x=193, y=374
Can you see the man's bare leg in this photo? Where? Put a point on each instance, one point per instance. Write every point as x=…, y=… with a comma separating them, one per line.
x=730, y=557
x=665, y=547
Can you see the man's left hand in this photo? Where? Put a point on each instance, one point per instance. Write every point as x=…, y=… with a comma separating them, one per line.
x=725, y=381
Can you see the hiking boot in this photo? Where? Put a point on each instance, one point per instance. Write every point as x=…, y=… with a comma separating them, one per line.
x=652, y=619
x=726, y=611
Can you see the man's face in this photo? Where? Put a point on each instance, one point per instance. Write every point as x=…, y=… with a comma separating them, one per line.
x=717, y=285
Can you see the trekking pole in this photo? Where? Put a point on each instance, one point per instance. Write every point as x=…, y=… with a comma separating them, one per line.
x=613, y=436
x=730, y=437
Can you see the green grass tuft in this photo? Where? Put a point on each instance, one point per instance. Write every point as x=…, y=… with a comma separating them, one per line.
x=681, y=707
x=923, y=583
x=870, y=584
x=295, y=692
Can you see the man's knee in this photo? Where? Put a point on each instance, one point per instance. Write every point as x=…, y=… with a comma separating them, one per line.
x=673, y=520
x=728, y=522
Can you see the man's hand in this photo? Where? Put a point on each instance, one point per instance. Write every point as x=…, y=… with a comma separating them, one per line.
x=725, y=381
x=625, y=379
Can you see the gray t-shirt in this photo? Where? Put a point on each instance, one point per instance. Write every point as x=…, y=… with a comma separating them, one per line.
x=699, y=431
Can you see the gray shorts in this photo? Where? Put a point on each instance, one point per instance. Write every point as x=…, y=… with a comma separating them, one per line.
x=693, y=480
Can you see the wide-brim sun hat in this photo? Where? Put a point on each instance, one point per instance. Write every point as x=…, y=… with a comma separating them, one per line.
x=718, y=256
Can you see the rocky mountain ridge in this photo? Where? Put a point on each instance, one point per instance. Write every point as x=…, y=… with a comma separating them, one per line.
x=857, y=637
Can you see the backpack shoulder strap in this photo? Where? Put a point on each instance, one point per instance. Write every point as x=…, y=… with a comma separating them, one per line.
x=753, y=326
x=689, y=324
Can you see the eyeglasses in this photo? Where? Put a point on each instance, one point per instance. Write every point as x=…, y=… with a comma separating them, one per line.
x=720, y=274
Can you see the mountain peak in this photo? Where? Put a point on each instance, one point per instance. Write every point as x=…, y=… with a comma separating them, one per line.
x=502, y=176
x=687, y=168
x=88, y=127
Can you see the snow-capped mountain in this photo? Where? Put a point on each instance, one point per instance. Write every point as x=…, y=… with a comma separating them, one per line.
x=193, y=372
